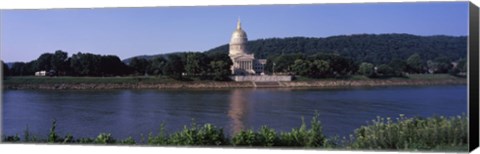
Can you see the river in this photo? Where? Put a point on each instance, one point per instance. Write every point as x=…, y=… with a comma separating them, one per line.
x=124, y=113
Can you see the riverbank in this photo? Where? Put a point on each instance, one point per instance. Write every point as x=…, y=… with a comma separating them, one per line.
x=84, y=83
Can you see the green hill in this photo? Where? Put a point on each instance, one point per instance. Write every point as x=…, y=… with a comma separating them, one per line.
x=377, y=49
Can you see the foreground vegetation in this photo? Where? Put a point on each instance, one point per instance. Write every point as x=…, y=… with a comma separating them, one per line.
x=435, y=133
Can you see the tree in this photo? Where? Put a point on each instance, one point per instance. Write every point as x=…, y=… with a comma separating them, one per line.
x=414, y=63
x=282, y=62
x=85, y=64
x=462, y=65
x=301, y=67
x=366, y=69
x=111, y=65
x=174, y=66
x=59, y=62
x=18, y=68
x=385, y=70
x=157, y=65
x=443, y=64
x=220, y=70
x=44, y=62
x=5, y=70
x=320, y=68
x=140, y=65
x=196, y=64
x=21, y=68
x=398, y=66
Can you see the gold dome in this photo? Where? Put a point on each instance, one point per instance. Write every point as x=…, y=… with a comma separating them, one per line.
x=238, y=40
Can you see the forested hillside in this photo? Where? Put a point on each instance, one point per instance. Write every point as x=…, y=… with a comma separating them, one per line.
x=376, y=49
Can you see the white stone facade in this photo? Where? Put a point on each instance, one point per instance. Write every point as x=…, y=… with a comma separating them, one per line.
x=243, y=62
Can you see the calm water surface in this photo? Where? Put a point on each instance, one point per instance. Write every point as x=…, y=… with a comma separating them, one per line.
x=127, y=113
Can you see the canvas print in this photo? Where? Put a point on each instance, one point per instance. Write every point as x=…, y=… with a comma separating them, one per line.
x=367, y=76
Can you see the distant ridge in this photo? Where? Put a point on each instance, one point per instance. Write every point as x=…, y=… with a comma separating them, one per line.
x=374, y=48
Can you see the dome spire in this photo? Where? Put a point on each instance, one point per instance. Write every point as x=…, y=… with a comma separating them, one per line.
x=239, y=25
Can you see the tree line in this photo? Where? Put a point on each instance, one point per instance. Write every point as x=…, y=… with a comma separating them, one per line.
x=384, y=55
x=334, y=66
x=184, y=66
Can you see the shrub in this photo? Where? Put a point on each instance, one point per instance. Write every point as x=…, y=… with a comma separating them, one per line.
x=211, y=135
x=413, y=133
x=85, y=141
x=68, y=139
x=304, y=137
x=104, y=138
x=11, y=138
x=245, y=138
x=52, y=136
x=160, y=139
x=128, y=141
x=206, y=135
x=267, y=136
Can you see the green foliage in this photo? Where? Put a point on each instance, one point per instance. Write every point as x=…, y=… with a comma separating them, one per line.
x=160, y=139
x=301, y=67
x=196, y=64
x=174, y=67
x=462, y=65
x=104, y=138
x=267, y=137
x=415, y=63
x=373, y=48
x=5, y=70
x=52, y=136
x=87, y=64
x=157, y=65
x=320, y=68
x=44, y=62
x=59, y=62
x=282, y=62
x=398, y=66
x=128, y=141
x=140, y=65
x=21, y=69
x=439, y=65
x=26, y=135
x=304, y=137
x=366, y=69
x=85, y=141
x=245, y=138
x=11, y=138
x=435, y=133
x=412, y=133
x=206, y=135
x=220, y=70
x=211, y=135
x=68, y=139
x=385, y=70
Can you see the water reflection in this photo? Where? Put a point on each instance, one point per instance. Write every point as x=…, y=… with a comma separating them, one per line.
x=237, y=110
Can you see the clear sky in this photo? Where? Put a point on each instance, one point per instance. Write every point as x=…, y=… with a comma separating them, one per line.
x=127, y=32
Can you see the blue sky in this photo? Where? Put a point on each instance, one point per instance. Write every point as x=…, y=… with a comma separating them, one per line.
x=126, y=32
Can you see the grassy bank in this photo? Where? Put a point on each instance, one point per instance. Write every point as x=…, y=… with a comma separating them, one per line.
x=168, y=83
x=425, y=134
x=86, y=80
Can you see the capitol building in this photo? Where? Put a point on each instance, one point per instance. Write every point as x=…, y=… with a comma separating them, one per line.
x=244, y=63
